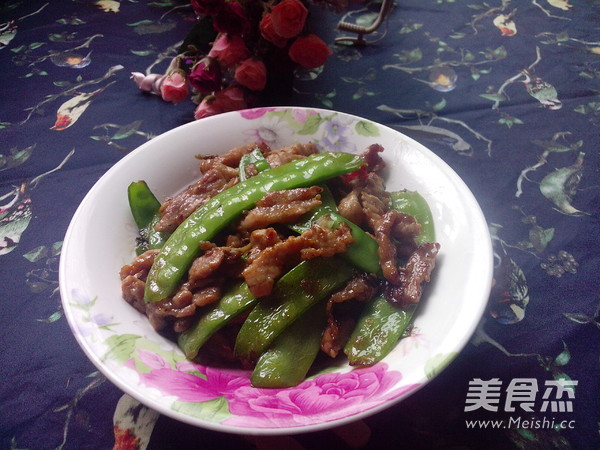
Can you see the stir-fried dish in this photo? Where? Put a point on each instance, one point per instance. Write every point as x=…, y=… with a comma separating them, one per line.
x=277, y=258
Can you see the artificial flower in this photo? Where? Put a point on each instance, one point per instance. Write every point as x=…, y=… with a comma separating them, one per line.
x=147, y=83
x=309, y=51
x=206, y=75
x=229, y=49
x=288, y=18
x=240, y=53
x=174, y=88
x=229, y=99
x=231, y=18
x=252, y=73
x=268, y=33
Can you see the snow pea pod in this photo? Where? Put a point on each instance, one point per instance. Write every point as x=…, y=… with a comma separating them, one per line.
x=377, y=332
x=233, y=302
x=254, y=157
x=288, y=360
x=362, y=252
x=176, y=256
x=413, y=203
x=142, y=202
x=381, y=324
x=305, y=285
x=144, y=208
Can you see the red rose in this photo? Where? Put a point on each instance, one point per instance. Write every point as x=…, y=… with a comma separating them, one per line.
x=229, y=50
x=206, y=75
x=252, y=74
x=231, y=19
x=209, y=7
x=288, y=18
x=309, y=51
x=174, y=88
x=269, y=34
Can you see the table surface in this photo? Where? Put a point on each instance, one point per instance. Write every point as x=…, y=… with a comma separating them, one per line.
x=516, y=115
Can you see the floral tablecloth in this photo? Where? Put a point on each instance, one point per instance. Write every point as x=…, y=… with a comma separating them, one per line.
x=506, y=92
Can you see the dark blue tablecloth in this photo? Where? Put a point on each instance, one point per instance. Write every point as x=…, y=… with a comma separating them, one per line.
x=506, y=92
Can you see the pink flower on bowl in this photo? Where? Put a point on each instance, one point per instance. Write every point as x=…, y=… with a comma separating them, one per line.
x=185, y=381
x=251, y=114
x=332, y=395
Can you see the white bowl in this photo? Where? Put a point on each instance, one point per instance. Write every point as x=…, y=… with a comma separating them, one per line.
x=123, y=345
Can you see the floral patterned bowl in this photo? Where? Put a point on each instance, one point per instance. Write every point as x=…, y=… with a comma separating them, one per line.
x=123, y=345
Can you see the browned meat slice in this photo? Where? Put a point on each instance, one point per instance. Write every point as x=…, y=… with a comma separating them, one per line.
x=205, y=265
x=202, y=287
x=372, y=157
x=374, y=199
x=207, y=295
x=176, y=209
x=285, y=155
x=351, y=208
x=339, y=326
x=325, y=242
x=281, y=207
x=417, y=271
x=133, y=279
x=272, y=262
x=232, y=158
x=394, y=224
x=336, y=334
x=261, y=239
x=361, y=288
x=367, y=201
x=140, y=266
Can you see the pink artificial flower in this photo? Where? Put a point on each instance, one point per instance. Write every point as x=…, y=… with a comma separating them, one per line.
x=210, y=7
x=252, y=73
x=174, y=88
x=231, y=19
x=268, y=32
x=229, y=50
x=309, y=51
x=288, y=18
x=229, y=99
x=206, y=75
x=147, y=83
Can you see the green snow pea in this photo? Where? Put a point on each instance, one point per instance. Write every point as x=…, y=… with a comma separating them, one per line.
x=144, y=208
x=254, y=157
x=175, y=257
x=235, y=301
x=142, y=202
x=362, y=252
x=305, y=285
x=381, y=324
x=288, y=360
x=413, y=203
x=377, y=332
